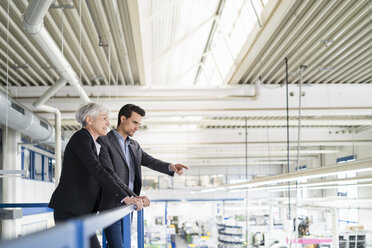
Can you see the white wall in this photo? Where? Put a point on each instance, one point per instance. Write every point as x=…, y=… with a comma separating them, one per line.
x=11, y=190
x=36, y=191
x=37, y=222
x=19, y=190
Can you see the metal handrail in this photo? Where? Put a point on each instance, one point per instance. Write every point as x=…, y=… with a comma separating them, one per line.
x=75, y=233
x=23, y=205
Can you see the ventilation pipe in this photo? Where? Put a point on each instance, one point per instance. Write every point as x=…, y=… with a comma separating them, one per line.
x=58, y=140
x=33, y=21
x=257, y=85
x=50, y=92
x=39, y=104
x=18, y=117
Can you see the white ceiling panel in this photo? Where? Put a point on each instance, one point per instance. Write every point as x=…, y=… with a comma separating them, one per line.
x=192, y=66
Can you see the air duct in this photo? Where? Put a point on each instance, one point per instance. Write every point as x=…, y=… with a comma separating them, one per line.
x=18, y=117
x=33, y=20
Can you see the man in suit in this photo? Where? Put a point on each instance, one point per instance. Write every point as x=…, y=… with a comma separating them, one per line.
x=125, y=157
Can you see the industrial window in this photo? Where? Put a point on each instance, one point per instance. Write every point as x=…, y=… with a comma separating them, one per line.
x=233, y=27
x=51, y=168
x=26, y=160
x=39, y=166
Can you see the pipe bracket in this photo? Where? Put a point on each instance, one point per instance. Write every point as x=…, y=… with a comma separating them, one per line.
x=33, y=29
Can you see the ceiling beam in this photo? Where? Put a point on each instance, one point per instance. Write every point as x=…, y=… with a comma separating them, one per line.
x=71, y=46
x=134, y=16
x=319, y=100
x=309, y=40
x=282, y=46
x=27, y=47
x=24, y=77
x=104, y=30
x=254, y=47
x=118, y=38
x=347, y=121
x=11, y=79
x=343, y=62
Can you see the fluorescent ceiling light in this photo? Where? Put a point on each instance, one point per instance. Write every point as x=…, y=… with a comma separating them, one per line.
x=208, y=190
x=354, y=166
x=193, y=118
x=322, y=187
x=220, y=175
x=212, y=189
x=335, y=182
x=360, y=182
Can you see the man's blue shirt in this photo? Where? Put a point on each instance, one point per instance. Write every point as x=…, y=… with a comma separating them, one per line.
x=124, y=144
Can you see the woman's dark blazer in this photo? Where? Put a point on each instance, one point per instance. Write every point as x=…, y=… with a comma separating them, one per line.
x=82, y=178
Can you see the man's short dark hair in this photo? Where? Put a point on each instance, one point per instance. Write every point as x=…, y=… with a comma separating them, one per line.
x=127, y=110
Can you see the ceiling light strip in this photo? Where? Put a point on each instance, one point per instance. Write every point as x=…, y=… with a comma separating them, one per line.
x=353, y=166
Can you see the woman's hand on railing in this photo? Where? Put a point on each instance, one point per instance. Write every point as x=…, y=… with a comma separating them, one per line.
x=134, y=201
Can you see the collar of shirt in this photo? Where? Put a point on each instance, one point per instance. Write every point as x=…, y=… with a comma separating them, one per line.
x=121, y=138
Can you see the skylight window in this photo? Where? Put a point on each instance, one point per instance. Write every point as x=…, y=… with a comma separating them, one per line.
x=232, y=30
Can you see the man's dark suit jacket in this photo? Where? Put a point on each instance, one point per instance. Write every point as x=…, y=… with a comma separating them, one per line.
x=116, y=161
x=83, y=177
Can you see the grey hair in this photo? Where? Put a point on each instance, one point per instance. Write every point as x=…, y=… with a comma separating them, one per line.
x=92, y=109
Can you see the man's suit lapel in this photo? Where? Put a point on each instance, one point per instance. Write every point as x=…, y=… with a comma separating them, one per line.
x=135, y=160
x=115, y=142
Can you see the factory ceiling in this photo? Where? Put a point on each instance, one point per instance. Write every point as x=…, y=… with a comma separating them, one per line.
x=204, y=65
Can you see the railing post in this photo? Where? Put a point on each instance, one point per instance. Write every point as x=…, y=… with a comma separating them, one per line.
x=126, y=231
x=166, y=213
x=140, y=230
x=81, y=240
x=103, y=238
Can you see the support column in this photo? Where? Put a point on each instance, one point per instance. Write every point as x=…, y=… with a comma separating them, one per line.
x=11, y=186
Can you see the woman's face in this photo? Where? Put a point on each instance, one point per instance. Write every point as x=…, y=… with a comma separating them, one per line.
x=100, y=124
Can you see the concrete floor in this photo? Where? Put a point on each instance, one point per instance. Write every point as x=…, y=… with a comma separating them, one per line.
x=180, y=242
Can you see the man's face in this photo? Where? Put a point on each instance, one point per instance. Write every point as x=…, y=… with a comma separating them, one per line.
x=130, y=125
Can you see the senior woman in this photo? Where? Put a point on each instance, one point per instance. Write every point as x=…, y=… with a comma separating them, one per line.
x=82, y=177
